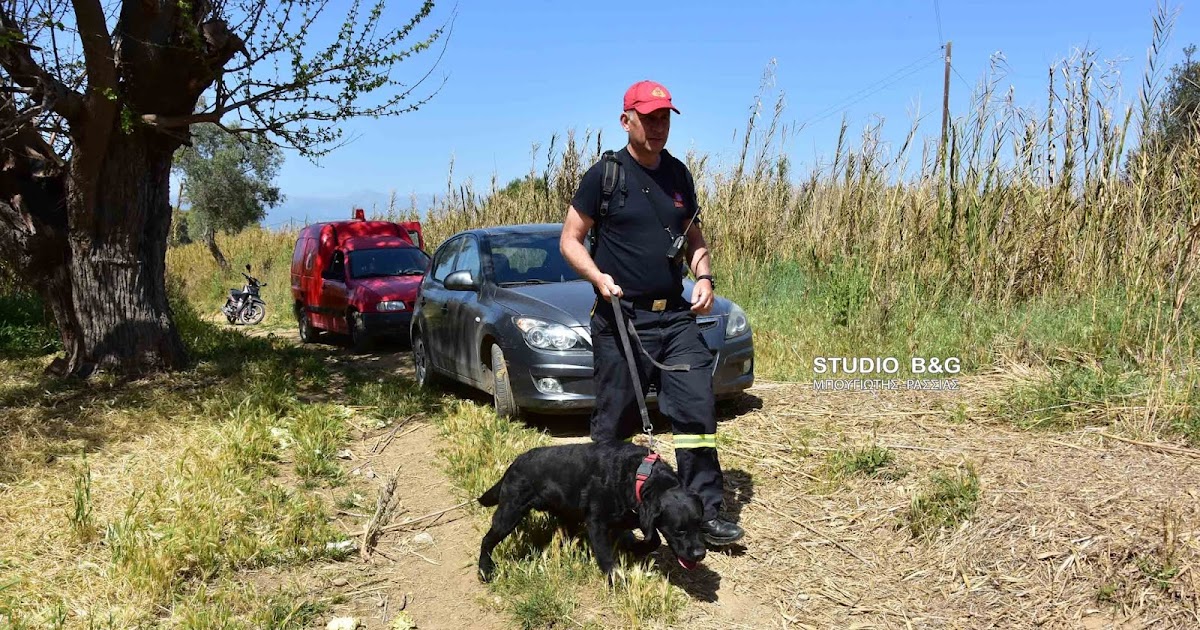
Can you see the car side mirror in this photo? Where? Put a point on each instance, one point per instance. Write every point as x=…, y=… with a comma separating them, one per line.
x=335, y=272
x=461, y=280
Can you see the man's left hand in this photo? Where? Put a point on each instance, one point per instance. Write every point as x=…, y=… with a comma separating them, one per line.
x=702, y=297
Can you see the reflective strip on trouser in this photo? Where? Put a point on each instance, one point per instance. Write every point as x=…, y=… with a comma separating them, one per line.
x=696, y=441
x=671, y=337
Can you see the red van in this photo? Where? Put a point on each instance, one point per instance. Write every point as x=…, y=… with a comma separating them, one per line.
x=358, y=278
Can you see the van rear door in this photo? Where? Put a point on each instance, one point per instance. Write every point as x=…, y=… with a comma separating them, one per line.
x=303, y=277
x=413, y=230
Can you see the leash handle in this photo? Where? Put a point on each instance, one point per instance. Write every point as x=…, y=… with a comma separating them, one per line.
x=647, y=427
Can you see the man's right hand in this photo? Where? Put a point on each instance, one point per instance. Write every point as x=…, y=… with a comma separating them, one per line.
x=607, y=287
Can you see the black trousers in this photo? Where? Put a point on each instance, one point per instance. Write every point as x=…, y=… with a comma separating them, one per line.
x=686, y=398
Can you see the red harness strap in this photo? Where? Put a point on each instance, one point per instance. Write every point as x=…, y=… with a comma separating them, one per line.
x=643, y=473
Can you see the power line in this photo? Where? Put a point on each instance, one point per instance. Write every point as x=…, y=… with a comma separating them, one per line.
x=937, y=10
x=960, y=77
x=871, y=89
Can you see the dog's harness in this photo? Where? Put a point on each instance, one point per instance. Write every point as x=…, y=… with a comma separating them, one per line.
x=643, y=473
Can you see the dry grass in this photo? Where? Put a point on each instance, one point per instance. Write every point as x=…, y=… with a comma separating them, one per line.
x=1068, y=530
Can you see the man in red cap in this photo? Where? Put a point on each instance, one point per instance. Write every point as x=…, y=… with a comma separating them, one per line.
x=647, y=226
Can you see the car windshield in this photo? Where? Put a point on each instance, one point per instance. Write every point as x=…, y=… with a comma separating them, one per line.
x=529, y=259
x=390, y=261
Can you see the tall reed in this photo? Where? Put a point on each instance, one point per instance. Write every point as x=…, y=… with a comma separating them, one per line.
x=1028, y=202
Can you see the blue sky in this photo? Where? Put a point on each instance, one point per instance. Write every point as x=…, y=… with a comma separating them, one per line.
x=518, y=72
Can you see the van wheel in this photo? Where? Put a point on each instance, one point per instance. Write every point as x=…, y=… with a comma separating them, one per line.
x=308, y=334
x=426, y=377
x=506, y=405
x=360, y=340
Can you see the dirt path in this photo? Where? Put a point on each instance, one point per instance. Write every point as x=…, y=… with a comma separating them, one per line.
x=425, y=571
x=429, y=567
x=1071, y=529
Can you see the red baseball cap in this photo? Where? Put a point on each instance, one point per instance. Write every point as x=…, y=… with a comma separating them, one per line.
x=647, y=96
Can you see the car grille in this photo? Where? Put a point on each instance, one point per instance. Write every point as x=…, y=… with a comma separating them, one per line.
x=707, y=322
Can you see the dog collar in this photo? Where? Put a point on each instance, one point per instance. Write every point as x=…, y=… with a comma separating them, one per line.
x=643, y=473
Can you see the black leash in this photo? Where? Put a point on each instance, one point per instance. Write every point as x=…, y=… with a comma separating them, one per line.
x=647, y=427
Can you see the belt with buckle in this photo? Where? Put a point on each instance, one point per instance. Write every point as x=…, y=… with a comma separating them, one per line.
x=651, y=304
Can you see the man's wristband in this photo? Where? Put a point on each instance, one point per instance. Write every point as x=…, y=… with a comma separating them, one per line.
x=711, y=281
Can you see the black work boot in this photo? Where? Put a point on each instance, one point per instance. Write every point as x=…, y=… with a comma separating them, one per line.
x=719, y=531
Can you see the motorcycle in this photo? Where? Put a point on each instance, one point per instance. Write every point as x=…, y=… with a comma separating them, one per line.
x=245, y=306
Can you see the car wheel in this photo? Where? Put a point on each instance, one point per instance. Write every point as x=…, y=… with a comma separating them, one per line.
x=506, y=405
x=360, y=340
x=422, y=369
x=308, y=334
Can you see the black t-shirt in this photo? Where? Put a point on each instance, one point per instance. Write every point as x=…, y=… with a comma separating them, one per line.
x=633, y=243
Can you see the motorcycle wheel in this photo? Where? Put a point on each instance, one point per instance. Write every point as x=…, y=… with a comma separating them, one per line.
x=253, y=313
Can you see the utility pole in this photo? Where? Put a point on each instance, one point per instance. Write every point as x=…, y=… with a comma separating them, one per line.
x=945, y=109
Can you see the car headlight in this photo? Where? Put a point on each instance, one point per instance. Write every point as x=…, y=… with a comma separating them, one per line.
x=544, y=335
x=736, y=324
x=395, y=305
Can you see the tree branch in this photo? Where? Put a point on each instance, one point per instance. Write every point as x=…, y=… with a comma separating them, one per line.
x=98, y=55
x=15, y=58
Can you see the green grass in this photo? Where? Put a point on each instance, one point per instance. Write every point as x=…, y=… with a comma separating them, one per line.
x=25, y=328
x=1073, y=395
x=799, y=311
x=1160, y=573
x=319, y=431
x=870, y=461
x=948, y=499
x=81, y=519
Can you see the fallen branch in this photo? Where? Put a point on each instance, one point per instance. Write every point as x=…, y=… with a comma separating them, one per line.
x=384, y=508
x=395, y=526
x=385, y=442
x=410, y=521
x=1179, y=450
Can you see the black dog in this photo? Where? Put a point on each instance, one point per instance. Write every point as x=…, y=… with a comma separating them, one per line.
x=595, y=484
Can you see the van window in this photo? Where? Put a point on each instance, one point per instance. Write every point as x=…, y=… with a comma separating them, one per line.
x=443, y=260
x=310, y=254
x=388, y=261
x=337, y=267
x=298, y=254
